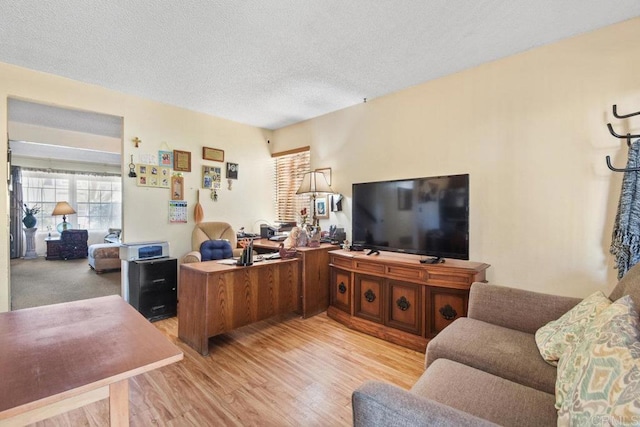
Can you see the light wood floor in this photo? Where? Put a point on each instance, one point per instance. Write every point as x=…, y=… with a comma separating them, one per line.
x=281, y=372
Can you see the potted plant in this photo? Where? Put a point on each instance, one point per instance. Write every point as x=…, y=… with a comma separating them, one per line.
x=29, y=219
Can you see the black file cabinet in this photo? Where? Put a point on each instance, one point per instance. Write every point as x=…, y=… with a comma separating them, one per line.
x=153, y=287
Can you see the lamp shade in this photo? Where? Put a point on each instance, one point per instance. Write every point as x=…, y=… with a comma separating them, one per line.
x=63, y=208
x=314, y=182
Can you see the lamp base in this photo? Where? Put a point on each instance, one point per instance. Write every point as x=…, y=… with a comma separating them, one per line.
x=63, y=226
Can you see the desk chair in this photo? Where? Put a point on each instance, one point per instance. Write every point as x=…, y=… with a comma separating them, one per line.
x=214, y=230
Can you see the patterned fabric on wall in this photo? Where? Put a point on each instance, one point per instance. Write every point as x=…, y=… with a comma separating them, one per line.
x=625, y=244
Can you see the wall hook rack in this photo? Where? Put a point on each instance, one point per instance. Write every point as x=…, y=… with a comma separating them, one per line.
x=628, y=137
x=610, y=166
x=623, y=116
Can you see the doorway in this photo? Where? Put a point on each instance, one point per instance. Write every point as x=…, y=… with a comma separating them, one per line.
x=61, y=154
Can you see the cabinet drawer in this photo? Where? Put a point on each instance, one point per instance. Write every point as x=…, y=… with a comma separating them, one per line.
x=340, y=261
x=341, y=289
x=443, y=307
x=454, y=280
x=368, y=294
x=370, y=267
x=405, y=306
x=404, y=273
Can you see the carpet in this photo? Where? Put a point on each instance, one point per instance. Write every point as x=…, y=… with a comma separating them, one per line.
x=36, y=282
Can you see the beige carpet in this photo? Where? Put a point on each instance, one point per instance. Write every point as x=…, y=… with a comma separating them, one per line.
x=36, y=282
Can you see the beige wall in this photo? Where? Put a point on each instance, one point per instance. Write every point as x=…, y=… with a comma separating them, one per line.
x=529, y=129
x=146, y=209
x=531, y=132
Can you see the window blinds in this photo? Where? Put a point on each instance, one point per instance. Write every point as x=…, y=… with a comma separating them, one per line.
x=290, y=166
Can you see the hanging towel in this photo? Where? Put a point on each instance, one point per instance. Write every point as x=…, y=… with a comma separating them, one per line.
x=625, y=242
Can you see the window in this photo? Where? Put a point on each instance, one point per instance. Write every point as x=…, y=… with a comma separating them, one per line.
x=290, y=166
x=97, y=199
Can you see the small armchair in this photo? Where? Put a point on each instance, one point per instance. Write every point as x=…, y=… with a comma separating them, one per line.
x=213, y=230
x=72, y=244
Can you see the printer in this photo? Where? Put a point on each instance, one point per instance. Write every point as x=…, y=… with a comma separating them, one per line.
x=144, y=250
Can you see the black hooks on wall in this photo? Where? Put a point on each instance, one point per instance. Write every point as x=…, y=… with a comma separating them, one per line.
x=628, y=137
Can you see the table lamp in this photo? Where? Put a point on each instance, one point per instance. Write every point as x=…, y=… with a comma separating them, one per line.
x=64, y=209
x=314, y=183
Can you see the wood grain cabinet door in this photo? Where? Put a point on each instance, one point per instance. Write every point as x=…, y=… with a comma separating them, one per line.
x=368, y=297
x=404, y=308
x=341, y=289
x=443, y=307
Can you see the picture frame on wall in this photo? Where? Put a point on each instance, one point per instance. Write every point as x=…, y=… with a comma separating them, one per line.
x=153, y=176
x=181, y=161
x=322, y=207
x=232, y=170
x=214, y=154
x=177, y=187
x=211, y=177
x=165, y=158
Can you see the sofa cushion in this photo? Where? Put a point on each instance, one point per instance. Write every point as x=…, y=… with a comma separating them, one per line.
x=486, y=396
x=554, y=337
x=504, y=352
x=380, y=404
x=599, y=378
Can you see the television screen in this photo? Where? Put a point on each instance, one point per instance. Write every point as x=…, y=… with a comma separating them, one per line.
x=426, y=216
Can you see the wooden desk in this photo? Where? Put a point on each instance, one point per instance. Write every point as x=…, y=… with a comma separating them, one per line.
x=215, y=298
x=315, y=274
x=60, y=357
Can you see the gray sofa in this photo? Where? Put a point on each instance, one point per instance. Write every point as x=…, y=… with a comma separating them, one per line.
x=484, y=369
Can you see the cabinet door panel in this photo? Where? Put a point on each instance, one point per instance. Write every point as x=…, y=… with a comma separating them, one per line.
x=444, y=306
x=404, y=310
x=368, y=297
x=341, y=289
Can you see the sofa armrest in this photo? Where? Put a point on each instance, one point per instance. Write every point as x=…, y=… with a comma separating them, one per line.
x=380, y=404
x=517, y=309
x=193, y=256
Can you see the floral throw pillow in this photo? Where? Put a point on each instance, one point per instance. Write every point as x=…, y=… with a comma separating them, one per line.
x=554, y=337
x=598, y=380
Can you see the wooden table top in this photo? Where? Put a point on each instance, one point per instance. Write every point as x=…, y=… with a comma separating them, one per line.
x=270, y=244
x=216, y=266
x=53, y=352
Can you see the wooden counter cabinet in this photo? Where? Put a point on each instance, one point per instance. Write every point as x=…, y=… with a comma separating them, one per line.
x=314, y=291
x=215, y=298
x=396, y=298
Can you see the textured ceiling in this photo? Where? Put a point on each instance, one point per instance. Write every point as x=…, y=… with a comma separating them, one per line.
x=274, y=63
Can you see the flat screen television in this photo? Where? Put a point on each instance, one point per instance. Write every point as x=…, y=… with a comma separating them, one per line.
x=425, y=216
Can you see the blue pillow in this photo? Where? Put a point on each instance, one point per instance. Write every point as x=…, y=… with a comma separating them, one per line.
x=215, y=249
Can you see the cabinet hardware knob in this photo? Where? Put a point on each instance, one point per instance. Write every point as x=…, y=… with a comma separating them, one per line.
x=370, y=296
x=342, y=288
x=403, y=304
x=448, y=312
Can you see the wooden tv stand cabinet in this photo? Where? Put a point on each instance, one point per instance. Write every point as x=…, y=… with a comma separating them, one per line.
x=394, y=297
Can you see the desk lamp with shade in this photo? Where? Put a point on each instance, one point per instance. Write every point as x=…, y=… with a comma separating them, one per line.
x=64, y=209
x=314, y=183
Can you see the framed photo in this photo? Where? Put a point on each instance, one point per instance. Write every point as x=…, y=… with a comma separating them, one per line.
x=211, y=177
x=153, y=176
x=165, y=158
x=232, y=170
x=212, y=154
x=181, y=161
x=177, y=188
x=322, y=207
x=327, y=174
